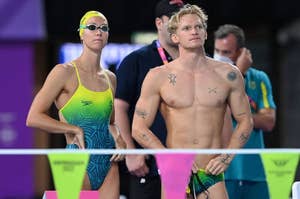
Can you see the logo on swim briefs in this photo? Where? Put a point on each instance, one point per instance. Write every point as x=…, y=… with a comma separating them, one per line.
x=86, y=102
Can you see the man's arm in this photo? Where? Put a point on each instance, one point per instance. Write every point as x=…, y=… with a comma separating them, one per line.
x=240, y=108
x=127, y=74
x=135, y=163
x=265, y=119
x=266, y=116
x=122, y=119
x=146, y=109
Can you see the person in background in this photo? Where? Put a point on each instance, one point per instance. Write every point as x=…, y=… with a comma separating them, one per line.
x=193, y=92
x=143, y=180
x=83, y=92
x=245, y=177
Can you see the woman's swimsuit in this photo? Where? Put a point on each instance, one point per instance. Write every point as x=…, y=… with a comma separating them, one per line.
x=91, y=111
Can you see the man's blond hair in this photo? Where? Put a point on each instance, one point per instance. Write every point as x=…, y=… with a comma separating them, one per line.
x=187, y=9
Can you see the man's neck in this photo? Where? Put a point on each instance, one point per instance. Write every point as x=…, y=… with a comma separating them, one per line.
x=172, y=50
x=193, y=59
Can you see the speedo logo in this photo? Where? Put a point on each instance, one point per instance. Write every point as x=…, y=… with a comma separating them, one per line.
x=86, y=102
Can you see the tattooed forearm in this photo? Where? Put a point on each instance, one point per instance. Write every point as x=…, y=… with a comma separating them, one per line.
x=225, y=160
x=244, y=138
x=231, y=76
x=144, y=137
x=141, y=113
x=172, y=78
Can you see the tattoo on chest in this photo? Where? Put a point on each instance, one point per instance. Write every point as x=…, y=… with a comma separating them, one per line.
x=212, y=90
x=244, y=138
x=141, y=113
x=231, y=76
x=172, y=78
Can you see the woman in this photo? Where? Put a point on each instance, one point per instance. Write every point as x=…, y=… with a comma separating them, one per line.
x=83, y=92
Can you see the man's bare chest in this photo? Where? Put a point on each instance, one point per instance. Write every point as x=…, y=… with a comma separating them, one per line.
x=183, y=91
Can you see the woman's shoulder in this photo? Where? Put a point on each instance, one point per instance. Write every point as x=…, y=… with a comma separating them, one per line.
x=63, y=69
x=111, y=76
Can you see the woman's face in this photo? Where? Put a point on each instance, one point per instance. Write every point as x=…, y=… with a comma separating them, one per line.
x=95, y=34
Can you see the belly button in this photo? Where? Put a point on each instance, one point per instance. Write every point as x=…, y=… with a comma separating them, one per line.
x=195, y=141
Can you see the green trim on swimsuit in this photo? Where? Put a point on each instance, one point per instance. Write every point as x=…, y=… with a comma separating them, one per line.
x=206, y=181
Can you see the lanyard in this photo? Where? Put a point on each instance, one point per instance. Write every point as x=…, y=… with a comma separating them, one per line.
x=161, y=52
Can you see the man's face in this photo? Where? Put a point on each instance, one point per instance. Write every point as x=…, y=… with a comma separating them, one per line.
x=191, y=32
x=165, y=35
x=227, y=47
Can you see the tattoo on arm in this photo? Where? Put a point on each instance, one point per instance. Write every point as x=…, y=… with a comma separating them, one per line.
x=225, y=159
x=244, y=138
x=141, y=113
x=172, y=78
x=144, y=137
x=231, y=76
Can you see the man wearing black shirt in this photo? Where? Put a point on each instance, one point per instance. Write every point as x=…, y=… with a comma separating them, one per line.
x=144, y=181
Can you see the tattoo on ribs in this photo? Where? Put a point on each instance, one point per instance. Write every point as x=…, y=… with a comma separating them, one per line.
x=212, y=90
x=141, y=113
x=244, y=137
x=172, y=78
x=231, y=76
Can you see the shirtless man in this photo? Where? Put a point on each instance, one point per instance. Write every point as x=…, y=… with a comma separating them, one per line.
x=192, y=93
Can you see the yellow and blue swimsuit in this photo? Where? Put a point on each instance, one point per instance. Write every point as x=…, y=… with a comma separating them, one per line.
x=91, y=111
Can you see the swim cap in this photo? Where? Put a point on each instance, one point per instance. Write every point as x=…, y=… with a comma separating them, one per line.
x=86, y=17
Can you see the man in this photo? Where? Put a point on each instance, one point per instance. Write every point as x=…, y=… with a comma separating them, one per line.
x=242, y=180
x=192, y=93
x=144, y=183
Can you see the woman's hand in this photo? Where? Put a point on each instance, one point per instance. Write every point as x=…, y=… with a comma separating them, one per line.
x=120, y=144
x=77, y=137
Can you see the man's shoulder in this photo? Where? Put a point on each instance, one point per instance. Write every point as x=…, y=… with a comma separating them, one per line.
x=221, y=65
x=145, y=50
x=143, y=57
x=224, y=69
x=156, y=74
x=158, y=70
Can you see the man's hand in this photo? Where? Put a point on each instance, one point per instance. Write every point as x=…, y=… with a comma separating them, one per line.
x=136, y=165
x=218, y=164
x=244, y=61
